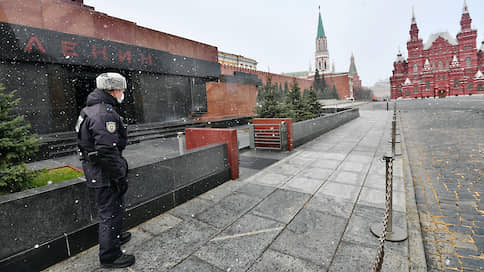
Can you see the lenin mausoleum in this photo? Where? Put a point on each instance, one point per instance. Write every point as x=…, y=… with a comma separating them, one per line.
x=443, y=66
x=52, y=50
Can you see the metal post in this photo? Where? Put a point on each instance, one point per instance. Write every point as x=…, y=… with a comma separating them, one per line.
x=389, y=184
x=283, y=135
x=180, y=142
x=394, y=126
x=251, y=136
x=387, y=105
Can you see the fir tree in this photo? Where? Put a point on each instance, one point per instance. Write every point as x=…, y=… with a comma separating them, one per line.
x=334, y=93
x=317, y=82
x=286, y=89
x=17, y=144
x=312, y=104
x=295, y=103
x=269, y=106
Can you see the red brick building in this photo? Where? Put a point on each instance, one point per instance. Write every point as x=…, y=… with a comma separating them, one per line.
x=443, y=66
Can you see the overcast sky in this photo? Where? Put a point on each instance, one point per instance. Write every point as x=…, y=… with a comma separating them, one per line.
x=281, y=34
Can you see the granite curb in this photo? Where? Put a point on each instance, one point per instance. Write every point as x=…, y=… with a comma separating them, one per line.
x=416, y=254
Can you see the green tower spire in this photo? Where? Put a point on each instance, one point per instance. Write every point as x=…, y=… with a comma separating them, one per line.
x=320, y=26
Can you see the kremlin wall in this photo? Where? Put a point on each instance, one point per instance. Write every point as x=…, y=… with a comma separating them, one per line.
x=52, y=50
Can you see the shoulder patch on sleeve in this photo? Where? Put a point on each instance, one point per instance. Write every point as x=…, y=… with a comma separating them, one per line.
x=111, y=126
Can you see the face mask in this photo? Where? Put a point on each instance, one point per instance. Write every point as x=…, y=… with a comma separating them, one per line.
x=120, y=100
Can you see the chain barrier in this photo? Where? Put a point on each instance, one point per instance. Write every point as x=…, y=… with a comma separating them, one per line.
x=387, y=220
x=387, y=230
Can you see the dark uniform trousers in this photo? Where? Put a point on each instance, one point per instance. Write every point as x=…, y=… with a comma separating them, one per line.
x=111, y=210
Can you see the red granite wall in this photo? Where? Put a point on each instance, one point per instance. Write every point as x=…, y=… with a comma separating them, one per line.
x=229, y=100
x=341, y=82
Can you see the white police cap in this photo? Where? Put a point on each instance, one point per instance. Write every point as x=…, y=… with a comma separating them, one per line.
x=110, y=81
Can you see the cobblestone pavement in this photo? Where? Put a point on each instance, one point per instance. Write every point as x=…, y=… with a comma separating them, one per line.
x=445, y=145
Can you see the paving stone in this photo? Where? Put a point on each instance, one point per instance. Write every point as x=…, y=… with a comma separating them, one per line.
x=312, y=235
x=394, y=261
x=282, y=205
x=84, y=261
x=218, y=217
x=347, y=177
x=283, y=168
x=376, y=198
x=475, y=263
x=195, y=264
x=353, y=166
x=227, y=210
x=336, y=156
x=446, y=168
x=303, y=184
x=467, y=252
x=138, y=237
x=463, y=244
x=431, y=247
x=241, y=244
x=326, y=164
x=173, y=245
x=192, y=207
x=299, y=161
x=310, y=154
x=445, y=247
x=255, y=190
x=461, y=236
x=316, y=173
x=221, y=191
x=360, y=157
x=450, y=261
x=160, y=224
x=358, y=230
x=353, y=257
x=276, y=261
x=433, y=261
x=269, y=179
x=339, y=190
x=330, y=205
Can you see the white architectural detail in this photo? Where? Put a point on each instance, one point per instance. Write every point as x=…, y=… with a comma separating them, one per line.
x=445, y=35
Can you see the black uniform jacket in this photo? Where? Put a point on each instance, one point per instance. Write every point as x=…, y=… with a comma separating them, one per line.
x=102, y=134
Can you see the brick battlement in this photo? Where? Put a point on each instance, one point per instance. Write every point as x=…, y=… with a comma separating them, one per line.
x=276, y=78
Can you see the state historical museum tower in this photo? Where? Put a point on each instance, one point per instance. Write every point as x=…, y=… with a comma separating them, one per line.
x=443, y=66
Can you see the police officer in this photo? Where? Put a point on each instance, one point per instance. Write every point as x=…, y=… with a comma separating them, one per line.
x=102, y=136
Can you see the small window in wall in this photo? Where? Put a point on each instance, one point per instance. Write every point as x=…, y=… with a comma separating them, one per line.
x=427, y=85
x=407, y=92
x=456, y=83
x=468, y=61
x=447, y=64
x=400, y=90
x=469, y=86
x=479, y=88
x=415, y=67
x=441, y=65
x=415, y=90
x=443, y=77
x=439, y=77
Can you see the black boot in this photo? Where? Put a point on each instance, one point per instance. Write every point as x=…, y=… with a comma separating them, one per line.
x=124, y=260
x=124, y=237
